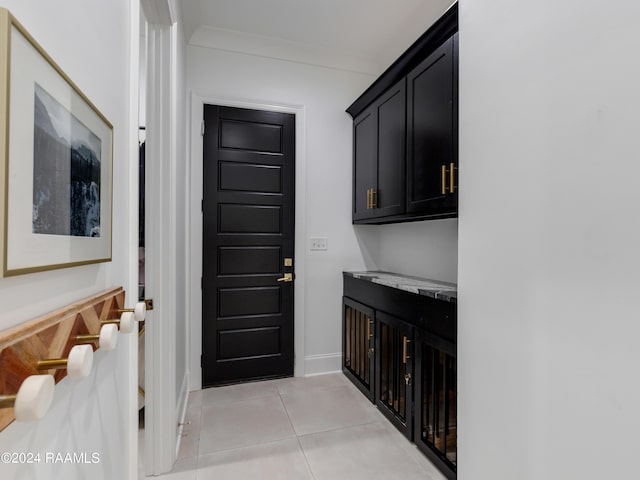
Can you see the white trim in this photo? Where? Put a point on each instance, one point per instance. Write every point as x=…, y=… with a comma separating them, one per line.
x=158, y=12
x=181, y=409
x=322, y=364
x=160, y=241
x=131, y=413
x=195, y=224
x=281, y=49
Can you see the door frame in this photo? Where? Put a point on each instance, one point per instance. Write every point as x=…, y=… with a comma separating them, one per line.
x=194, y=245
x=161, y=434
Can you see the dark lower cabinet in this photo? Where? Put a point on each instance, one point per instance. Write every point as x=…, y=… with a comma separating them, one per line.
x=394, y=364
x=358, y=327
x=435, y=401
x=399, y=349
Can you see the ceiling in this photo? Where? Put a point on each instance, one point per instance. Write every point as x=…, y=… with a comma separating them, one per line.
x=377, y=31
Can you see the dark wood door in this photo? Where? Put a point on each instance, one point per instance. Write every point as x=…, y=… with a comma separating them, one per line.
x=394, y=371
x=365, y=158
x=432, y=132
x=358, y=342
x=248, y=235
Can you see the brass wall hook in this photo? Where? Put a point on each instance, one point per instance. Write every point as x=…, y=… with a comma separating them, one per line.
x=78, y=364
x=107, y=338
x=139, y=311
x=126, y=322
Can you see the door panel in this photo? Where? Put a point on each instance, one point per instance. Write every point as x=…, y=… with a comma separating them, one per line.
x=250, y=178
x=252, y=136
x=248, y=218
x=234, y=302
x=249, y=343
x=249, y=260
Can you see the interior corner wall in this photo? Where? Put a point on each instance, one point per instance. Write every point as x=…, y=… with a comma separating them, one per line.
x=324, y=93
x=90, y=41
x=548, y=240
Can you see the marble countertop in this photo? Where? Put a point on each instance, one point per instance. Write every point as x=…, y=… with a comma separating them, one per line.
x=420, y=286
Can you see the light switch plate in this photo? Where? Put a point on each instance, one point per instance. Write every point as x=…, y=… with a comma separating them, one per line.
x=318, y=243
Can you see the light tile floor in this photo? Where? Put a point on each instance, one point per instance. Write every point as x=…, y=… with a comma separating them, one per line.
x=311, y=428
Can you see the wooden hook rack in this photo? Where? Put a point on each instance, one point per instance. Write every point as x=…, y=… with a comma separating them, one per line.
x=50, y=336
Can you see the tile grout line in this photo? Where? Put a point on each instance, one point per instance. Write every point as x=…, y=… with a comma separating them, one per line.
x=226, y=450
x=304, y=454
x=337, y=429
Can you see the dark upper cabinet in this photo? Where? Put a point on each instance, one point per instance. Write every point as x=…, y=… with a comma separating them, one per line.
x=405, y=162
x=364, y=162
x=432, y=133
x=379, y=157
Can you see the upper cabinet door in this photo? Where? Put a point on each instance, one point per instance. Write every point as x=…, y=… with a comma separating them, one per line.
x=365, y=159
x=432, y=133
x=389, y=194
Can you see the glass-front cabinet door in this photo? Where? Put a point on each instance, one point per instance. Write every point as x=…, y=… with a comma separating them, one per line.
x=394, y=367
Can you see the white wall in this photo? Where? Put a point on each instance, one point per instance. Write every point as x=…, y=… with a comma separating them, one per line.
x=90, y=42
x=549, y=235
x=426, y=249
x=323, y=93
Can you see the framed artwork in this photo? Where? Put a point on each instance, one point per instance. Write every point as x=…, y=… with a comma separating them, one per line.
x=56, y=157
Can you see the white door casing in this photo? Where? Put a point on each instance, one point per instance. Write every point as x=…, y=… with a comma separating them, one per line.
x=160, y=248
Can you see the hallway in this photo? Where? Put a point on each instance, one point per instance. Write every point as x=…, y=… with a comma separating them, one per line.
x=317, y=427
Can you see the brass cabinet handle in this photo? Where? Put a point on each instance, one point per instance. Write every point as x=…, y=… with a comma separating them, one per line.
x=374, y=194
x=288, y=277
x=452, y=182
x=368, y=198
x=405, y=357
x=444, y=179
x=369, y=329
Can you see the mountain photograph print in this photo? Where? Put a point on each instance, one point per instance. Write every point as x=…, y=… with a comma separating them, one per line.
x=66, y=171
x=56, y=163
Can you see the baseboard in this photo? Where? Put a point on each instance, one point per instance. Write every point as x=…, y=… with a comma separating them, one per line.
x=181, y=409
x=325, y=363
